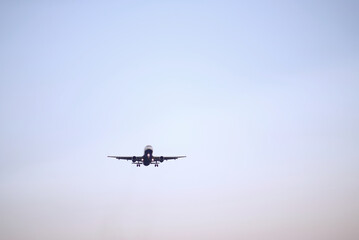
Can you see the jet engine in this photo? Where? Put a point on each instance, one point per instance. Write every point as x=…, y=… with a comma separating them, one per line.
x=161, y=159
x=134, y=159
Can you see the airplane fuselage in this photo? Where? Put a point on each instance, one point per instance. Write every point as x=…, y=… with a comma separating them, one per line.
x=147, y=156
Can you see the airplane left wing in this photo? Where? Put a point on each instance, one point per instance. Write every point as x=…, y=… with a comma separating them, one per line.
x=168, y=158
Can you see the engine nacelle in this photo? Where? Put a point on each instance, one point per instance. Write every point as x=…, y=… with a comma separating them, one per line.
x=161, y=159
x=134, y=159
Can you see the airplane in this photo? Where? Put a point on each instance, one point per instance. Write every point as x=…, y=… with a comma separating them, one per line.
x=147, y=158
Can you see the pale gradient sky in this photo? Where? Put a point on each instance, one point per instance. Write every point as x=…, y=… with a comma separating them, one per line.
x=262, y=97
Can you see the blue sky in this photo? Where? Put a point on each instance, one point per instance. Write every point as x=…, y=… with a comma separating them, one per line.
x=262, y=97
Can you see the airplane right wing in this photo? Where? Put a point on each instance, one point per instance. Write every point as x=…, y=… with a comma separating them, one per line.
x=124, y=158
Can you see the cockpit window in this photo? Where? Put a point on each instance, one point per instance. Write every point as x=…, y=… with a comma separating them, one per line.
x=148, y=147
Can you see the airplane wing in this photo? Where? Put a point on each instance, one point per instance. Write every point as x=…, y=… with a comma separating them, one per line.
x=168, y=158
x=123, y=158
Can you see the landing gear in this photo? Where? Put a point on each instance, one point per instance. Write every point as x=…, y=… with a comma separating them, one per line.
x=156, y=165
x=138, y=165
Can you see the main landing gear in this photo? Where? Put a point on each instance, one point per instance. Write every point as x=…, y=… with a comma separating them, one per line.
x=156, y=165
x=138, y=165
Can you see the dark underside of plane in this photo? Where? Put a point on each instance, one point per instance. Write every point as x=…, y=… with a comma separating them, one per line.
x=147, y=158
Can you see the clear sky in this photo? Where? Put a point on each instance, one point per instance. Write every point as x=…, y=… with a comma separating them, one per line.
x=261, y=96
